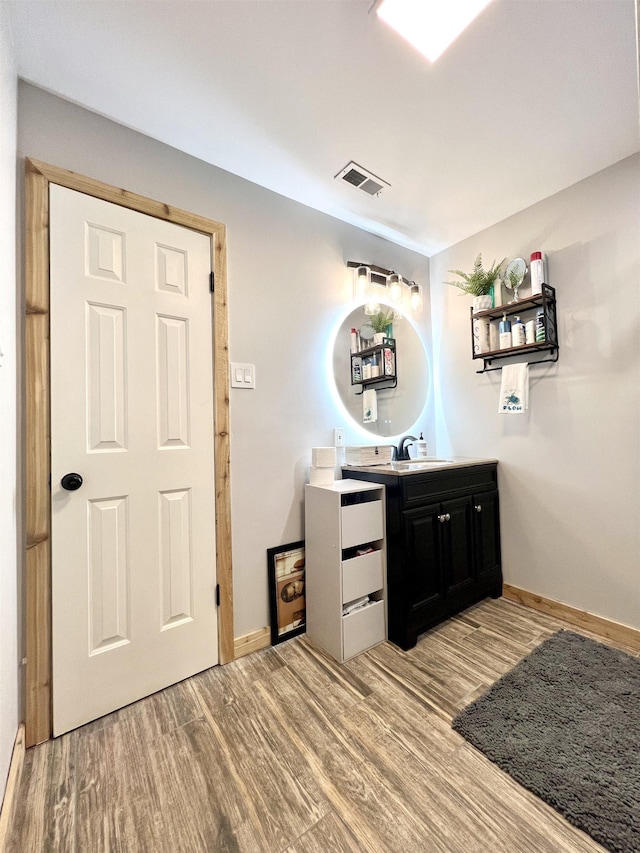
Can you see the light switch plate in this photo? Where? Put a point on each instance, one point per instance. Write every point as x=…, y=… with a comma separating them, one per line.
x=243, y=375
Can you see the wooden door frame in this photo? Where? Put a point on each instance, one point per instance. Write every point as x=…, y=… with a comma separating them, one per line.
x=38, y=176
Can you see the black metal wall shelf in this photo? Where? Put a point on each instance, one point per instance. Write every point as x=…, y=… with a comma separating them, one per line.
x=545, y=300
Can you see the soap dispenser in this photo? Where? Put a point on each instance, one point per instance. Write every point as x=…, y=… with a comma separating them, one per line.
x=421, y=447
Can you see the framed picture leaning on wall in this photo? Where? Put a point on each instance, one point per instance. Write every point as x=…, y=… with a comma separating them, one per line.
x=285, y=565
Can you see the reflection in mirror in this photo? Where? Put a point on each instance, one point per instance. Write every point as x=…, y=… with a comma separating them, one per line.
x=398, y=408
x=514, y=276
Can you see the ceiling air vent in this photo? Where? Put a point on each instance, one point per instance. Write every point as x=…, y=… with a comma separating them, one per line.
x=362, y=179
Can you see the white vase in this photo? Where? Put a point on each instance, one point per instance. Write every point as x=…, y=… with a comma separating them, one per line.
x=379, y=337
x=482, y=303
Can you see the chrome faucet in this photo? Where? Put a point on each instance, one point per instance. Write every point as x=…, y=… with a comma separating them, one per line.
x=402, y=451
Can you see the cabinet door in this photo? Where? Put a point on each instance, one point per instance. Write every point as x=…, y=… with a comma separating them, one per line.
x=423, y=563
x=458, y=543
x=487, y=534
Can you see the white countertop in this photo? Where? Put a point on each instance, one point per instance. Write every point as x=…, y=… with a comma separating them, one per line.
x=346, y=485
x=420, y=466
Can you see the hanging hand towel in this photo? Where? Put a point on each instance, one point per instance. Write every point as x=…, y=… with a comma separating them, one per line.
x=514, y=390
x=369, y=406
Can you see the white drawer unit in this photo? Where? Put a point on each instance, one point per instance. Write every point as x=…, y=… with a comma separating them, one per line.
x=345, y=571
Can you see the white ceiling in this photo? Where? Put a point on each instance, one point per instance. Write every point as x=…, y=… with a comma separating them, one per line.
x=534, y=96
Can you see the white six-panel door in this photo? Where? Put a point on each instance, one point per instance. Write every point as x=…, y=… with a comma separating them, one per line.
x=133, y=565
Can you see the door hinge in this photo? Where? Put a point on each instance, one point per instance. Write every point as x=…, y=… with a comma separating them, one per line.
x=217, y=595
x=49, y=482
x=212, y=281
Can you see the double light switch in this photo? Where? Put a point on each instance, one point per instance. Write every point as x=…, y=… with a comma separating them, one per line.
x=243, y=375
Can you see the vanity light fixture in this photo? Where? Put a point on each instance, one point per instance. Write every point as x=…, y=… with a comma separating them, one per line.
x=429, y=25
x=373, y=285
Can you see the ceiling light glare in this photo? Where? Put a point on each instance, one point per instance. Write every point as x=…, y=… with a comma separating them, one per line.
x=430, y=25
x=415, y=299
x=363, y=282
x=394, y=283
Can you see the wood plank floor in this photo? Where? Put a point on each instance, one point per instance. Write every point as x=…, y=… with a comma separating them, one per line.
x=285, y=751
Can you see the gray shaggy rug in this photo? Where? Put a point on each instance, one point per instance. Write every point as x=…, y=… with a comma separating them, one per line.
x=565, y=723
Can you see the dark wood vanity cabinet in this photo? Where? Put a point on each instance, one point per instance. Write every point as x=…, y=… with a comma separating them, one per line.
x=443, y=544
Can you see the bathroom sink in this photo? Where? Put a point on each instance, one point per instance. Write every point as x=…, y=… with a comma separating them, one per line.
x=418, y=464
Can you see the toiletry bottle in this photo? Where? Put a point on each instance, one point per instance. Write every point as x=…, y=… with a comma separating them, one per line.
x=538, y=268
x=505, y=332
x=541, y=334
x=518, y=336
x=421, y=447
x=354, y=341
x=493, y=337
x=356, y=371
x=530, y=331
x=375, y=367
x=389, y=362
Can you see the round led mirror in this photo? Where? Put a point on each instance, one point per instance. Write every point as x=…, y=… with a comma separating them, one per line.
x=399, y=400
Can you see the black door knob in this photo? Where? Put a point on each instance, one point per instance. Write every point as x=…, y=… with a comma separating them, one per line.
x=71, y=482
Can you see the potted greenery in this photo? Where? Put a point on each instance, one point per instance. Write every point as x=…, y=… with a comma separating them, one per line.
x=479, y=283
x=379, y=323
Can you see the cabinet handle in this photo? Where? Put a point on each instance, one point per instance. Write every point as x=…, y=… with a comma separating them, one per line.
x=447, y=517
x=478, y=507
x=443, y=518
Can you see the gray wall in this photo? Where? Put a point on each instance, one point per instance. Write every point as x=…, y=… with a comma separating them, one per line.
x=9, y=694
x=288, y=289
x=569, y=469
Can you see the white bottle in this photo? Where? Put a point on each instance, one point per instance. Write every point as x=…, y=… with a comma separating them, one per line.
x=518, y=335
x=354, y=341
x=538, y=268
x=493, y=337
x=530, y=332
